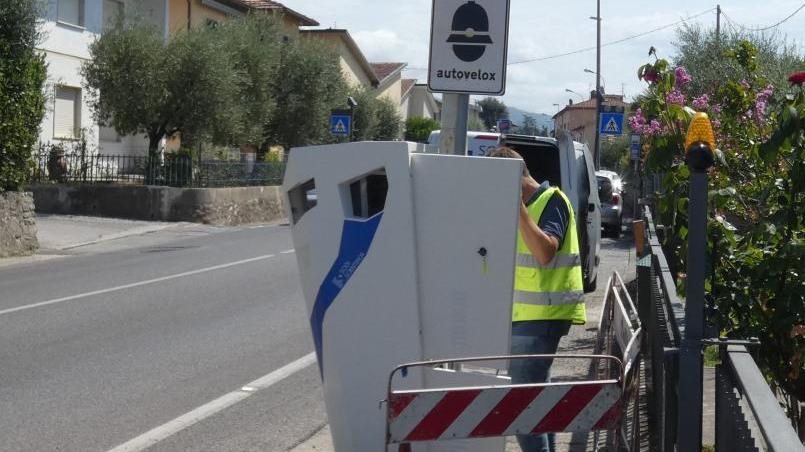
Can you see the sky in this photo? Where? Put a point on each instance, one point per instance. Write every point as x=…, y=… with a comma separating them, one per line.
x=399, y=31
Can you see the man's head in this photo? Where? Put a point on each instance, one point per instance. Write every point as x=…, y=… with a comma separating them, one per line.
x=529, y=185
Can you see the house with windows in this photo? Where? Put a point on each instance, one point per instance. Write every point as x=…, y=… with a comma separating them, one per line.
x=418, y=100
x=69, y=27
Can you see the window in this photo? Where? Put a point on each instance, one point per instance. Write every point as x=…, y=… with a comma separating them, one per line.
x=67, y=112
x=368, y=194
x=111, y=10
x=71, y=12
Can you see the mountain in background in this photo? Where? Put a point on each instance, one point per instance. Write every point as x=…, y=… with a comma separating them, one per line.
x=516, y=115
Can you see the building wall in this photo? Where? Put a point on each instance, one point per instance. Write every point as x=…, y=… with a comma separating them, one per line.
x=354, y=74
x=66, y=47
x=392, y=91
x=199, y=14
x=580, y=122
x=419, y=103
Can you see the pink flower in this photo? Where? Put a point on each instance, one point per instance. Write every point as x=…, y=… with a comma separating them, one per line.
x=654, y=128
x=637, y=121
x=716, y=109
x=651, y=76
x=701, y=102
x=675, y=97
x=682, y=76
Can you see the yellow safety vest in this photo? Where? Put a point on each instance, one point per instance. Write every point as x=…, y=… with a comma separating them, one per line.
x=554, y=291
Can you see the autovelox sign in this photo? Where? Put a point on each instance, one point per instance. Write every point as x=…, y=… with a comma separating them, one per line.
x=468, y=41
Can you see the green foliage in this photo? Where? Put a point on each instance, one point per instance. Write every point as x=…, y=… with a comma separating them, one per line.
x=22, y=101
x=756, y=201
x=473, y=124
x=492, y=109
x=310, y=86
x=418, y=128
x=136, y=84
x=704, y=56
x=364, y=120
x=615, y=153
x=254, y=46
x=529, y=126
x=234, y=84
x=389, y=122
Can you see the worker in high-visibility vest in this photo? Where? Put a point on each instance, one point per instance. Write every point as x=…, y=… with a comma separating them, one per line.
x=548, y=288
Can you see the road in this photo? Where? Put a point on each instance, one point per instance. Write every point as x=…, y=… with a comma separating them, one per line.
x=172, y=341
x=99, y=348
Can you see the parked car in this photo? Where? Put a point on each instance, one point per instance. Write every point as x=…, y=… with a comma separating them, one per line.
x=478, y=143
x=610, y=192
x=568, y=165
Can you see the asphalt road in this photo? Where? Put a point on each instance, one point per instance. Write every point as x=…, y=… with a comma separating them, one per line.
x=99, y=348
x=177, y=340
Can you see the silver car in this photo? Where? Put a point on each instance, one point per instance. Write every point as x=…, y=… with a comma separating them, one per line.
x=610, y=193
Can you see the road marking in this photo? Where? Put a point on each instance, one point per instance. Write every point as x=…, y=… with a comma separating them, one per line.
x=184, y=421
x=287, y=252
x=137, y=284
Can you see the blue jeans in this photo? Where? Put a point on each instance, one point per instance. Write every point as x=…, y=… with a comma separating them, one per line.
x=537, y=337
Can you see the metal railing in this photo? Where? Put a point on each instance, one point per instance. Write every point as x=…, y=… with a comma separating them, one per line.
x=172, y=170
x=748, y=416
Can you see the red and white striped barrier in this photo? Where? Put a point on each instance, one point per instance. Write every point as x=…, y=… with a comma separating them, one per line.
x=493, y=411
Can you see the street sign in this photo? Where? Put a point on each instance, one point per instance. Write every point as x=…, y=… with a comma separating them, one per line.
x=634, y=146
x=340, y=123
x=468, y=42
x=504, y=125
x=611, y=124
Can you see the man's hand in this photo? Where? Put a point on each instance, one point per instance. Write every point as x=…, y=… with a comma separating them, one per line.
x=541, y=245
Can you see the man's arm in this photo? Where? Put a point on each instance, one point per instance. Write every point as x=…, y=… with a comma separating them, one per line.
x=543, y=246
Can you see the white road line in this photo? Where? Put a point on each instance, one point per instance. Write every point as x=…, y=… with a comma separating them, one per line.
x=136, y=284
x=288, y=252
x=184, y=421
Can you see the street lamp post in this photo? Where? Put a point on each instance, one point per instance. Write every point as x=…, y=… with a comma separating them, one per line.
x=568, y=90
x=597, y=19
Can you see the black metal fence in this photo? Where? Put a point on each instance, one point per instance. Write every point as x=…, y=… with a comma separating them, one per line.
x=748, y=416
x=171, y=170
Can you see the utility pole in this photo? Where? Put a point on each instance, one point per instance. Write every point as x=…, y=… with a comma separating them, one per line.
x=598, y=86
x=718, y=22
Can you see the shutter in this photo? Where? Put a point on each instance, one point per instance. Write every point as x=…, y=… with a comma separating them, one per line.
x=70, y=12
x=65, y=114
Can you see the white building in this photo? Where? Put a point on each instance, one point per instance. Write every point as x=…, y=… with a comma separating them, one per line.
x=70, y=26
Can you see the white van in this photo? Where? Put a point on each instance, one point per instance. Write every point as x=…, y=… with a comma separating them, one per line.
x=478, y=143
x=568, y=165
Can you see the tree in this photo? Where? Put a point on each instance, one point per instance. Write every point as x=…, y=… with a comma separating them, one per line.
x=474, y=124
x=703, y=55
x=389, y=122
x=529, y=126
x=254, y=45
x=418, y=128
x=137, y=84
x=310, y=86
x=22, y=101
x=492, y=110
x=613, y=152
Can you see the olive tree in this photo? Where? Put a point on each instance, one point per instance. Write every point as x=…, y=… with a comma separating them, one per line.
x=138, y=84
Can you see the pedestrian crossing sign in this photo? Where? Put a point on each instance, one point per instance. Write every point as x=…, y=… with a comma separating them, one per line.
x=611, y=123
x=340, y=124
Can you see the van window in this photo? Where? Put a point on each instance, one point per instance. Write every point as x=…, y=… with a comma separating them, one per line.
x=542, y=161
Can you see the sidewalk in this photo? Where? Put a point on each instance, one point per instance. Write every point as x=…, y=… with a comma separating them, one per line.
x=616, y=255
x=59, y=234
x=64, y=232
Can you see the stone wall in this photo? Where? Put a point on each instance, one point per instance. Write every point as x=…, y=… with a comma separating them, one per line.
x=218, y=206
x=17, y=224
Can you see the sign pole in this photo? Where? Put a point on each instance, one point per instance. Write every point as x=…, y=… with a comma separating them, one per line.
x=453, y=138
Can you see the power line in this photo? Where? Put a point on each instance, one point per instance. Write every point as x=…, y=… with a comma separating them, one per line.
x=638, y=35
x=606, y=44
x=786, y=19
